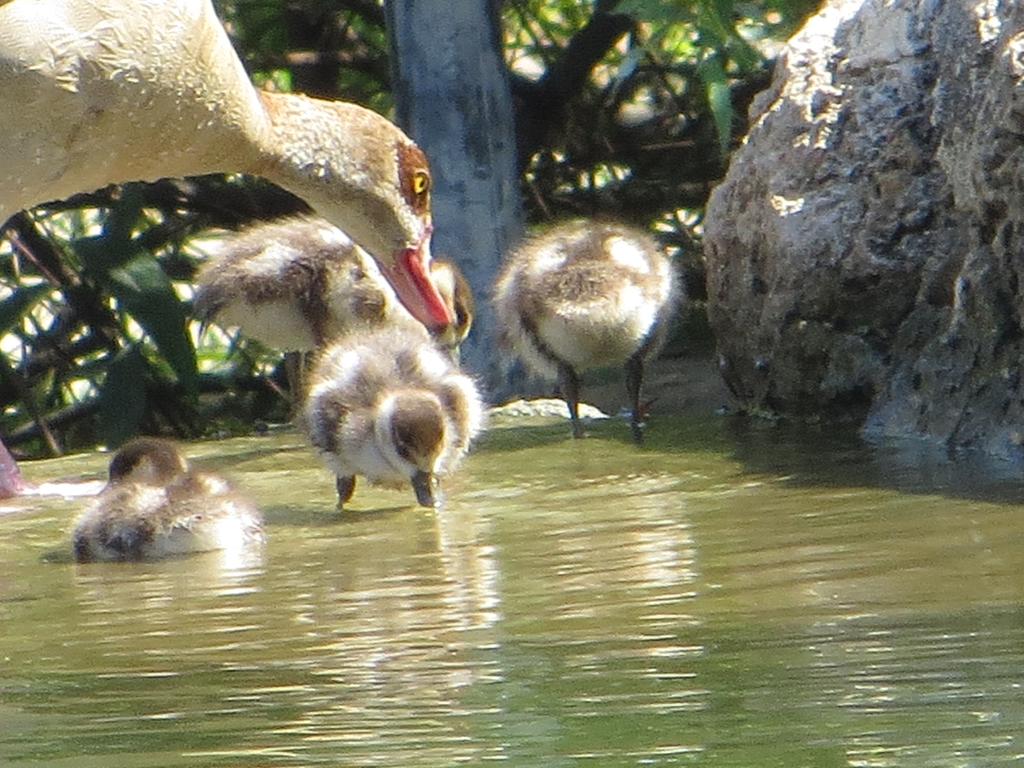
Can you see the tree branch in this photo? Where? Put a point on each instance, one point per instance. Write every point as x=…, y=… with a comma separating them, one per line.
x=30, y=242
x=540, y=105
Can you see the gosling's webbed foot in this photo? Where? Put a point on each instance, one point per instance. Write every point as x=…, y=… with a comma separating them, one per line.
x=638, y=420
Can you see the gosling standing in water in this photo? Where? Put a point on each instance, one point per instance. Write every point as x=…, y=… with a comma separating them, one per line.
x=154, y=505
x=296, y=283
x=586, y=295
x=388, y=405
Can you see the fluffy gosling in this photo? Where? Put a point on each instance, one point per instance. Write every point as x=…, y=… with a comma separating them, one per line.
x=587, y=295
x=155, y=505
x=388, y=405
x=296, y=283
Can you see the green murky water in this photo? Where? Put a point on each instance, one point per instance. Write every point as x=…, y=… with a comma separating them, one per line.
x=728, y=596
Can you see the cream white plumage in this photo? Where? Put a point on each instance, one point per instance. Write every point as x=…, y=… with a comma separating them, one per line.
x=388, y=405
x=105, y=91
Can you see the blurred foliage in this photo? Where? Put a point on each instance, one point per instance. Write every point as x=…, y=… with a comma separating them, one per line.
x=98, y=340
x=625, y=108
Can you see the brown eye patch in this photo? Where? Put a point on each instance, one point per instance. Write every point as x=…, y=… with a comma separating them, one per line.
x=414, y=176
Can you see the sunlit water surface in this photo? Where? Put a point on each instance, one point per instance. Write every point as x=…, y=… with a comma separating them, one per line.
x=727, y=596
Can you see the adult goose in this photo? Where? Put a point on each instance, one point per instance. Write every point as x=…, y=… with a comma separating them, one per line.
x=104, y=91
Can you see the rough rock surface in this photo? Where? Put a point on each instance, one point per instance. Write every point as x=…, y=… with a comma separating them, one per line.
x=866, y=249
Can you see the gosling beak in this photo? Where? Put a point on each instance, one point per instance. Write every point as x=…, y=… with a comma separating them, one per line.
x=425, y=485
x=447, y=341
x=409, y=275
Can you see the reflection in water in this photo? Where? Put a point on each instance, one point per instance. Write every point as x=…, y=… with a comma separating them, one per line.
x=470, y=568
x=718, y=598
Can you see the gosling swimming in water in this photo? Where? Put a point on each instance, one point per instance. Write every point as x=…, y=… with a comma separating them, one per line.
x=155, y=505
x=388, y=405
x=296, y=283
x=586, y=295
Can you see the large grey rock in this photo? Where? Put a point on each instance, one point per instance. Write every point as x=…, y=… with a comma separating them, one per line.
x=865, y=248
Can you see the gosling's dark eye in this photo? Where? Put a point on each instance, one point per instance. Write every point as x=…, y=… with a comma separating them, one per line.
x=122, y=467
x=403, y=446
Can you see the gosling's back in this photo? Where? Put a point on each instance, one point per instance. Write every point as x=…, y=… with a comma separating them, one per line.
x=294, y=284
x=585, y=294
x=155, y=505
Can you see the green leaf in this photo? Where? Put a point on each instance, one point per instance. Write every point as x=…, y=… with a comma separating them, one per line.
x=657, y=11
x=123, y=397
x=114, y=246
x=134, y=277
x=20, y=303
x=145, y=292
x=716, y=86
x=123, y=217
x=100, y=254
x=714, y=20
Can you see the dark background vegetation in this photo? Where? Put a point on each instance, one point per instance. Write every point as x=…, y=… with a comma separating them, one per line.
x=623, y=109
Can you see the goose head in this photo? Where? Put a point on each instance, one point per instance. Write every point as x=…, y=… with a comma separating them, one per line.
x=147, y=460
x=370, y=180
x=410, y=429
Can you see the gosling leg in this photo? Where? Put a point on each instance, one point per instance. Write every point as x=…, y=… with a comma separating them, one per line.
x=570, y=384
x=346, y=486
x=634, y=379
x=293, y=371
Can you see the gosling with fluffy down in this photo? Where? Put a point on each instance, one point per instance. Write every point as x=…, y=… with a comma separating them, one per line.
x=155, y=505
x=388, y=405
x=587, y=295
x=298, y=282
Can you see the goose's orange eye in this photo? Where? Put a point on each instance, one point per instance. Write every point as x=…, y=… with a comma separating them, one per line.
x=420, y=183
